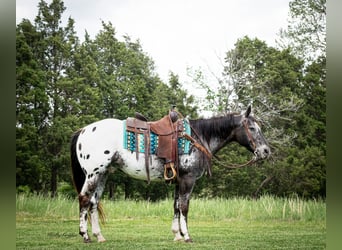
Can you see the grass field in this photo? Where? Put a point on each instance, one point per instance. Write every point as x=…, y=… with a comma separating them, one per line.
x=237, y=223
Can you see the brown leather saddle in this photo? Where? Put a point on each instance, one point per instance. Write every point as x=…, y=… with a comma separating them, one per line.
x=167, y=132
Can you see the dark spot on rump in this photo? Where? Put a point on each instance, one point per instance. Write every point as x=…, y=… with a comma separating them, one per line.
x=88, y=156
x=81, y=155
x=79, y=146
x=97, y=172
x=94, y=128
x=106, y=152
x=83, y=130
x=95, y=169
x=101, y=165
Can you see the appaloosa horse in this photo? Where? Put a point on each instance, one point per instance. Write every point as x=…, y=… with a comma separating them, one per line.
x=98, y=145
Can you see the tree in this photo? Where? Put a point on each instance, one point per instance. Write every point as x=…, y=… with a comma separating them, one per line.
x=44, y=54
x=306, y=37
x=31, y=108
x=306, y=30
x=179, y=97
x=265, y=77
x=55, y=54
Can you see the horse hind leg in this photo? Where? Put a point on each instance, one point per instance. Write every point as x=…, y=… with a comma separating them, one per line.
x=95, y=208
x=94, y=215
x=84, y=202
x=92, y=206
x=89, y=201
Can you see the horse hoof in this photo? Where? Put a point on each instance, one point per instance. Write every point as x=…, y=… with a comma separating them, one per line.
x=87, y=240
x=189, y=241
x=101, y=240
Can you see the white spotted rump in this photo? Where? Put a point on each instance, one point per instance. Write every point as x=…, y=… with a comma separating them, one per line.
x=96, y=147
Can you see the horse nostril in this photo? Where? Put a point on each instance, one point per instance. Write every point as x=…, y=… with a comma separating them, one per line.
x=266, y=151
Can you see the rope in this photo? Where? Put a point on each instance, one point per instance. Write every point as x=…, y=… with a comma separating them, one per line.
x=235, y=166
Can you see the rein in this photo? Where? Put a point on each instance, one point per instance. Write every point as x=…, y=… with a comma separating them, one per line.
x=235, y=166
x=199, y=145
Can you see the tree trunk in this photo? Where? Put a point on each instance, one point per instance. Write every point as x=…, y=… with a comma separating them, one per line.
x=111, y=187
x=263, y=183
x=53, y=181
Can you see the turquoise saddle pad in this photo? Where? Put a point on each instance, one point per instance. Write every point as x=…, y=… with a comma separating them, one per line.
x=130, y=139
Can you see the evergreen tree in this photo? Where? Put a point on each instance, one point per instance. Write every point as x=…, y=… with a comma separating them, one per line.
x=32, y=108
x=289, y=103
x=306, y=30
x=56, y=49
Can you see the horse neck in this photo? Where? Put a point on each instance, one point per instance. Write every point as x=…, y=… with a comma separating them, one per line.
x=216, y=132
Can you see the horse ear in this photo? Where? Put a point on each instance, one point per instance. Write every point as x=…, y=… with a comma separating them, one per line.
x=249, y=109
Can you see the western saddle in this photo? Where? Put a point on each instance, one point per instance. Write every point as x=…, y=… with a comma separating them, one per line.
x=168, y=129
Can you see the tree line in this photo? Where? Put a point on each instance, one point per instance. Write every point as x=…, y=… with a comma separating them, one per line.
x=64, y=84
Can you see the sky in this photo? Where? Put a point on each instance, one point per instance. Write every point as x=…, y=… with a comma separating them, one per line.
x=177, y=34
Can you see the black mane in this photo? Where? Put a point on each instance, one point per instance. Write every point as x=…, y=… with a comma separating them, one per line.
x=218, y=127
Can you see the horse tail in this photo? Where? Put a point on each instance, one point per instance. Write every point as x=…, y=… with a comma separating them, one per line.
x=101, y=213
x=78, y=175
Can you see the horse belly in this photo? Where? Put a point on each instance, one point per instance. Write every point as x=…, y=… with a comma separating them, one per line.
x=137, y=168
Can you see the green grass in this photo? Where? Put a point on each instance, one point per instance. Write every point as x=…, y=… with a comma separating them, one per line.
x=237, y=223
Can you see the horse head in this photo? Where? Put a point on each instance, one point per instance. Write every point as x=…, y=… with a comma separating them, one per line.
x=249, y=135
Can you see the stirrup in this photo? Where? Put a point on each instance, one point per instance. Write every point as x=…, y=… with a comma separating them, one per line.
x=174, y=173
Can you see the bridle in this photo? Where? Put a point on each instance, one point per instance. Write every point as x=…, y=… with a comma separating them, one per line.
x=212, y=154
x=250, y=139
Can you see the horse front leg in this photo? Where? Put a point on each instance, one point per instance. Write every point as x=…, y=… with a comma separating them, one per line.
x=183, y=219
x=175, y=227
x=186, y=184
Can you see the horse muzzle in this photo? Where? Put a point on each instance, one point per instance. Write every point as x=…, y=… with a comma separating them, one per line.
x=262, y=152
